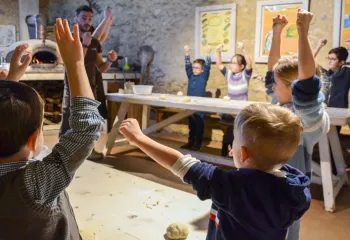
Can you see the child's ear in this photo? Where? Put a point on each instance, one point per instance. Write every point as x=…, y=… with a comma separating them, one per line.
x=244, y=154
x=31, y=144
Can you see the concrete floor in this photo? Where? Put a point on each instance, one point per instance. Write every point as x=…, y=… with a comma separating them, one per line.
x=114, y=198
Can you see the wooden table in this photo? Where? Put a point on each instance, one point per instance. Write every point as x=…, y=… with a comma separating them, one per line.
x=322, y=173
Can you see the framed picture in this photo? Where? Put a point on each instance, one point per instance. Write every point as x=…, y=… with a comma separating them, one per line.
x=341, y=26
x=215, y=25
x=266, y=10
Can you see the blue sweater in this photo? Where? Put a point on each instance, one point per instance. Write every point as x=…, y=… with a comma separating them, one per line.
x=250, y=204
x=308, y=105
x=197, y=84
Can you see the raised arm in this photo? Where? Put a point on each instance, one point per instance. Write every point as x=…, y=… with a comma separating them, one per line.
x=106, y=32
x=219, y=64
x=17, y=69
x=188, y=64
x=249, y=65
x=207, y=64
x=58, y=168
x=279, y=22
x=100, y=31
x=307, y=65
x=321, y=43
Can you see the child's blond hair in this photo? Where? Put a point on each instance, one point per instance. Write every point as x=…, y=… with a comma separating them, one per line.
x=286, y=69
x=270, y=133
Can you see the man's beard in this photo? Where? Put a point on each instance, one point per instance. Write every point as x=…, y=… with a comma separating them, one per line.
x=84, y=28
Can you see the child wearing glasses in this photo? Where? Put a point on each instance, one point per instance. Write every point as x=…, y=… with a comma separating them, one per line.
x=198, y=75
x=237, y=76
x=336, y=78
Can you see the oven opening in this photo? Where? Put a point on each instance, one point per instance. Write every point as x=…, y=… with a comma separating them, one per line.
x=44, y=58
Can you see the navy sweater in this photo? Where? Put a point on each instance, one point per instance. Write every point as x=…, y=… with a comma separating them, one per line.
x=250, y=204
x=197, y=84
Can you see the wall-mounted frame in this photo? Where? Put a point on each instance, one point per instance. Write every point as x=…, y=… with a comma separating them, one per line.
x=341, y=25
x=215, y=25
x=265, y=11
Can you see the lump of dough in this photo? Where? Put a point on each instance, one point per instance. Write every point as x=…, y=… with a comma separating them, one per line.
x=187, y=99
x=177, y=231
x=227, y=98
x=162, y=97
x=180, y=93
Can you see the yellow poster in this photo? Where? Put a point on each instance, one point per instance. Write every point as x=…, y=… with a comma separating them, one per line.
x=345, y=26
x=215, y=29
x=289, y=35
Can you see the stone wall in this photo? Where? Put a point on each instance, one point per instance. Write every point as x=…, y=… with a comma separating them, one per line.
x=9, y=14
x=168, y=25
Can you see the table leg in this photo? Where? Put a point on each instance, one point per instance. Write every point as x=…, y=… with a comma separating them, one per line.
x=337, y=151
x=145, y=116
x=112, y=136
x=326, y=171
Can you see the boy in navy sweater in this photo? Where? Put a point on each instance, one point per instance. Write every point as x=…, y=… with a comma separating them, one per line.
x=198, y=75
x=261, y=199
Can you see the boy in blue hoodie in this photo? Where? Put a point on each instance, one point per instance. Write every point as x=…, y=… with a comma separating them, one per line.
x=198, y=75
x=261, y=199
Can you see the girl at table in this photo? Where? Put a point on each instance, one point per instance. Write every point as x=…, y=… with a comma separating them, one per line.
x=237, y=77
x=198, y=75
x=295, y=85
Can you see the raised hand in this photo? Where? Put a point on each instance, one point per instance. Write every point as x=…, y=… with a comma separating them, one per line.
x=322, y=42
x=187, y=50
x=279, y=22
x=209, y=50
x=240, y=45
x=87, y=38
x=303, y=20
x=70, y=46
x=219, y=47
x=131, y=130
x=108, y=13
x=112, y=56
x=17, y=69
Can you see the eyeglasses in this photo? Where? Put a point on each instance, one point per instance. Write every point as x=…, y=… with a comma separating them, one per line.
x=196, y=68
x=331, y=59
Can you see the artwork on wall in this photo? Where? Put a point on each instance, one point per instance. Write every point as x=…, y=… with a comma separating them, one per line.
x=266, y=10
x=341, y=27
x=215, y=25
x=7, y=36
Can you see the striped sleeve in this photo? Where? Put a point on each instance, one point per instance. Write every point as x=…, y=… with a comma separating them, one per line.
x=45, y=180
x=308, y=104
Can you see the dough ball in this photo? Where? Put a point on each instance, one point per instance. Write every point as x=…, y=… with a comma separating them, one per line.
x=177, y=231
x=162, y=97
x=180, y=93
x=187, y=99
x=227, y=98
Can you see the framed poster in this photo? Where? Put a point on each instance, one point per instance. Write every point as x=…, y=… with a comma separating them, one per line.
x=266, y=11
x=215, y=25
x=341, y=26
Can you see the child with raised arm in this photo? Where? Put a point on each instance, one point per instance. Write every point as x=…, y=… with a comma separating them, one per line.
x=261, y=199
x=198, y=75
x=34, y=202
x=237, y=76
x=336, y=78
x=296, y=86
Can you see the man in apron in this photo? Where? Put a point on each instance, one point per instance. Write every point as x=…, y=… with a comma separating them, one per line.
x=94, y=66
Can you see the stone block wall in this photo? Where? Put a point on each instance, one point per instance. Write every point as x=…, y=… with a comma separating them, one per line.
x=169, y=25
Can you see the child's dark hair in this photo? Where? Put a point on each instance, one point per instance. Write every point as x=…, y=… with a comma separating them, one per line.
x=341, y=53
x=200, y=61
x=240, y=59
x=21, y=115
x=83, y=8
